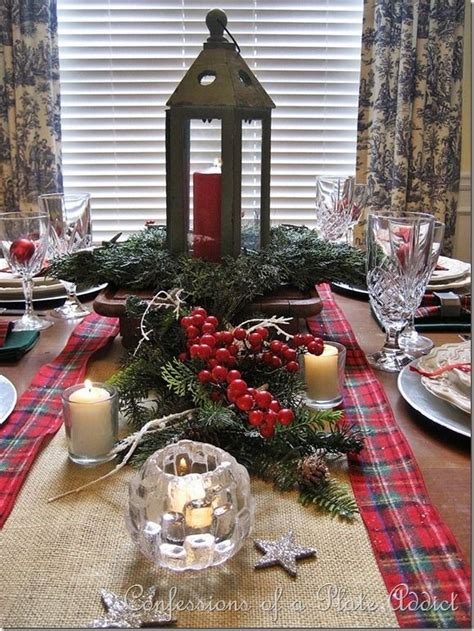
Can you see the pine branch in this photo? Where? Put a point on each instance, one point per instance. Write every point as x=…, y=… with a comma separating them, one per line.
x=333, y=497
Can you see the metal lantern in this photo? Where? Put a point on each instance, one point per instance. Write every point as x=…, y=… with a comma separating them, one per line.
x=219, y=97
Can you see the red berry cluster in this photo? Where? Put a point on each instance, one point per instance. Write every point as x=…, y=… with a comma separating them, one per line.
x=263, y=410
x=313, y=344
x=218, y=351
x=216, y=348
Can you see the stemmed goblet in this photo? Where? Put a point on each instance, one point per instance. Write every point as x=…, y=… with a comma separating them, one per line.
x=410, y=340
x=398, y=259
x=24, y=242
x=339, y=204
x=70, y=231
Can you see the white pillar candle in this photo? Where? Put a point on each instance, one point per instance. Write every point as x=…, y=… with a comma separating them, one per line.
x=321, y=374
x=91, y=425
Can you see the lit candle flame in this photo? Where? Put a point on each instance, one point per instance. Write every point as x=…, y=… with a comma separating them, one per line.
x=182, y=467
x=88, y=384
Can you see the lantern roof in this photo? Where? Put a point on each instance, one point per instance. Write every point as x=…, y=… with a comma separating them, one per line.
x=219, y=77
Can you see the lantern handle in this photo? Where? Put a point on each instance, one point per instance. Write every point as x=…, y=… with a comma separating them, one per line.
x=237, y=47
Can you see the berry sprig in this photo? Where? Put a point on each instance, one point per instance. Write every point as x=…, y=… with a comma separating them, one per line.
x=216, y=354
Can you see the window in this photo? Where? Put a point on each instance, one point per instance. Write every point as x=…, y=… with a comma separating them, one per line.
x=122, y=59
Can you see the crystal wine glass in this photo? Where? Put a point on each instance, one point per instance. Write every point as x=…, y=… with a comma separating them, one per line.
x=70, y=231
x=410, y=340
x=398, y=260
x=339, y=204
x=361, y=193
x=24, y=242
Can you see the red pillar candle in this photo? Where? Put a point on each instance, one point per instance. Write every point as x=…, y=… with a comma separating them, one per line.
x=207, y=215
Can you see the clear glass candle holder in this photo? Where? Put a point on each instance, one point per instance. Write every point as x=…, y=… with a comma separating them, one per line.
x=324, y=376
x=190, y=506
x=90, y=412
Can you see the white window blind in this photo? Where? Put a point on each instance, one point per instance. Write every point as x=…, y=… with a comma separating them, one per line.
x=122, y=59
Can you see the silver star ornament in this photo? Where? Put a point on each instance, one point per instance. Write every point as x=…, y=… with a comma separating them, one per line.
x=122, y=615
x=284, y=552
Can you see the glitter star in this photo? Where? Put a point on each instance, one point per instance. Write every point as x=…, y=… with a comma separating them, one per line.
x=123, y=615
x=284, y=552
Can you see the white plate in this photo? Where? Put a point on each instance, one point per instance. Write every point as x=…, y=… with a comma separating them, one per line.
x=454, y=269
x=40, y=290
x=8, y=280
x=461, y=284
x=57, y=298
x=7, y=398
x=355, y=290
x=434, y=409
x=453, y=386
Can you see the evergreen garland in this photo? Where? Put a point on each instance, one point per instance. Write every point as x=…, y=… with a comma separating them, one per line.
x=295, y=256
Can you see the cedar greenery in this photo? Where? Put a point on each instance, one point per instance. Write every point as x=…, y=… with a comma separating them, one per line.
x=294, y=256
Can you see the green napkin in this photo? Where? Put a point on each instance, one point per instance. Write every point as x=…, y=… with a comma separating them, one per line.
x=17, y=344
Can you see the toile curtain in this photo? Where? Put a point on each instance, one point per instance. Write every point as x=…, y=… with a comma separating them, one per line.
x=410, y=98
x=30, y=129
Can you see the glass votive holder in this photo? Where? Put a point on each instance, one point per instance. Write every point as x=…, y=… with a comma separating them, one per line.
x=190, y=506
x=90, y=412
x=324, y=376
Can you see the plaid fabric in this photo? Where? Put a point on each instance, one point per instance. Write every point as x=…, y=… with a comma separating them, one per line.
x=38, y=413
x=5, y=328
x=411, y=543
x=430, y=306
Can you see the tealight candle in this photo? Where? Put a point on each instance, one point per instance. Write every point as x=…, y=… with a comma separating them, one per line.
x=324, y=376
x=91, y=421
x=187, y=496
x=190, y=506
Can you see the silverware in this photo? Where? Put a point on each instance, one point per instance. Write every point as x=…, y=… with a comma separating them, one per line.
x=18, y=312
x=465, y=337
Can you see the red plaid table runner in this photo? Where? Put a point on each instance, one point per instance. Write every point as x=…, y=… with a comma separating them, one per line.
x=5, y=328
x=412, y=545
x=38, y=413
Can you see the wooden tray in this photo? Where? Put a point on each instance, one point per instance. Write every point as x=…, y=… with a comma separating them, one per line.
x=286, y=301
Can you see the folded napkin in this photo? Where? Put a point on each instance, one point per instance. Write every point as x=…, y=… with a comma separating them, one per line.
x=444, y=310
x=17, y=343
x=431, y=306
x=5, y=328
x=441, y=311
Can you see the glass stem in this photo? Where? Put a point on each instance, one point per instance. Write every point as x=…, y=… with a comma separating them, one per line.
x=27, y=283
x=391, y=339
x=410, y=327
x=71, y=291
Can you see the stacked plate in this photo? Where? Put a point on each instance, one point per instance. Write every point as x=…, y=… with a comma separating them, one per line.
x=450, y=275
x=7, y=398
x=444, y=397
x=47, y=292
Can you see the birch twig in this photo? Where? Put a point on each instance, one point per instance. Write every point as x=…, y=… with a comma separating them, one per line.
x=153, y=425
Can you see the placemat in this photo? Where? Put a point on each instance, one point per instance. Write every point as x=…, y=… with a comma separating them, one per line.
x=412, y=544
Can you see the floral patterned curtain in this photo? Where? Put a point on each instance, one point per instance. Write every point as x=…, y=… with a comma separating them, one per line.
x=410, y=99
x=30, y=130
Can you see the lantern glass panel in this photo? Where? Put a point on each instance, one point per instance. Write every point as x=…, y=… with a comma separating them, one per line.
x=205, y=189
x=251, y=183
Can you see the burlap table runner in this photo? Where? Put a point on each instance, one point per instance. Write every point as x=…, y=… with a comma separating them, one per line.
x=56, y=557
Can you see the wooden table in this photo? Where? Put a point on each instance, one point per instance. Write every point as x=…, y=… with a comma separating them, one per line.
x=443, y=456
